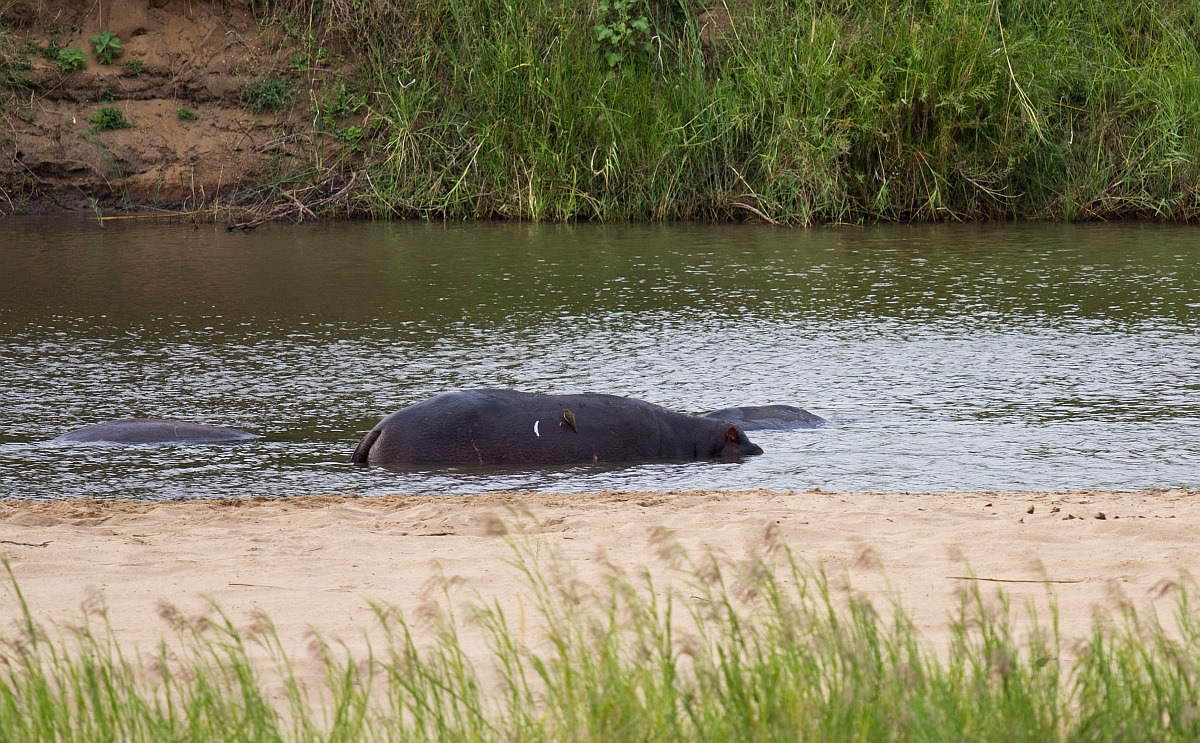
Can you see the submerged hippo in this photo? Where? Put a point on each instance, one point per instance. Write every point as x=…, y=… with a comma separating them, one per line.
x=760, y=417
x=481, y=427
x=152, y=431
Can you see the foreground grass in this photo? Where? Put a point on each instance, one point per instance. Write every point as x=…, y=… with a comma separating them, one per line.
x=794, y=112
x=754, y=650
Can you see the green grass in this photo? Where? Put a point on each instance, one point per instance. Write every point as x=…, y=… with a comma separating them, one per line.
x=798, y=112
x=271, y=93
x=758, y=650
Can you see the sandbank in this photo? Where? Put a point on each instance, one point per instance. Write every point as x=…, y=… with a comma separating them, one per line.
x=316, y=563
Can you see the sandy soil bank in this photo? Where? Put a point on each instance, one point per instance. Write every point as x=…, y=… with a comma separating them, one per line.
x=192, y=136
x=315, y=561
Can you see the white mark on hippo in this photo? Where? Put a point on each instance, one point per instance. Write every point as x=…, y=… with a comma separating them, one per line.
x=535, y=431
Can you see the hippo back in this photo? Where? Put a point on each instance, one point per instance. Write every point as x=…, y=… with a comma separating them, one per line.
x=763, y=417
x=154, y=431
x=486, y=427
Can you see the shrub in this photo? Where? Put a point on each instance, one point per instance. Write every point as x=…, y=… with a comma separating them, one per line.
x=70, y=59
x=110, y=118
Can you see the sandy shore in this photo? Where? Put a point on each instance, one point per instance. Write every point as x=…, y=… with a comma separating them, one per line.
x=316, y=561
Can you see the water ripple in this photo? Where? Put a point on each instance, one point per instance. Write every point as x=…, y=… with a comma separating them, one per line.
x=1040, y=356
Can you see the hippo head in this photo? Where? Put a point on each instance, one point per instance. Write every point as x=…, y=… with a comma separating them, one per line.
x=737, y=445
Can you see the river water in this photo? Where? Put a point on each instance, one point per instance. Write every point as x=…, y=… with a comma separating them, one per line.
x=1030, y=356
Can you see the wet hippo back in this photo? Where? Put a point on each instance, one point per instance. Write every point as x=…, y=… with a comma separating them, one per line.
x=154, y=431
x=762, y=417
x=483, y=427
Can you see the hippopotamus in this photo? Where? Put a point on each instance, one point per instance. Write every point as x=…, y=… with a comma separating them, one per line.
x=487, y=427
x=760, y=417
x=153, y=431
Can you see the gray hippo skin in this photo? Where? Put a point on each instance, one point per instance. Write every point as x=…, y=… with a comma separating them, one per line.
x=761, y=417
x=152, y=431
x=485, y=427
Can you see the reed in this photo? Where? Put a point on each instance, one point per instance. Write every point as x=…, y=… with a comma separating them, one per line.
x=760, y=649
x=794, y=111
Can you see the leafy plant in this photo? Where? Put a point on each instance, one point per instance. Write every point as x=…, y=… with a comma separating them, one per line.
x=272, y=93
x=620, y=31
x=187, y=114
x=134, y=66
x=338, y=101
x=348, y=135
x=108, y=96
x=108, y=118
x=70, y=59
x=106, y=46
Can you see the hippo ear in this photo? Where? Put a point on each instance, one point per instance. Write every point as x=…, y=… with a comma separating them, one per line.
x=731, y=435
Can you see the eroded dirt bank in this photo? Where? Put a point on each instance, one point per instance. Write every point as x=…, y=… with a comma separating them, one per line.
x=179, y=81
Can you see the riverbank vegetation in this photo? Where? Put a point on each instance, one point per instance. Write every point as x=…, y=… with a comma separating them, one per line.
x=786, y=111
x=790, y=111
x=761, y=649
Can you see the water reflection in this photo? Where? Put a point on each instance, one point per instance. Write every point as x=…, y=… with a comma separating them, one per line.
x=949, y=357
